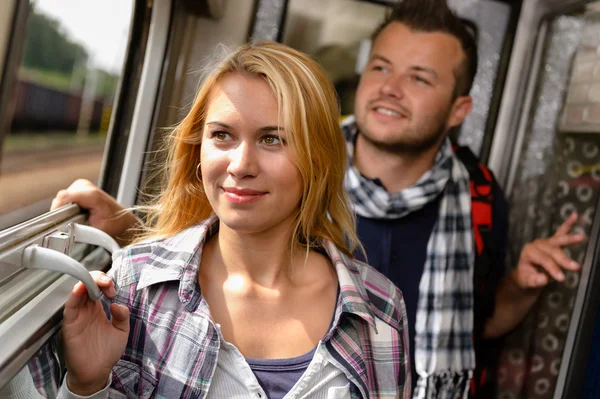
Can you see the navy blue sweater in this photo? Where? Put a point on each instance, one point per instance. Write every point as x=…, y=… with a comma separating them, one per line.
x=398, y=247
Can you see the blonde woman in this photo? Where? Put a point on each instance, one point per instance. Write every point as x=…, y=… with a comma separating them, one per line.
x=244, y=286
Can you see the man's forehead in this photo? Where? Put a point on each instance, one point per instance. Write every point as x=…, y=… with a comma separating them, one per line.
x=398, y=43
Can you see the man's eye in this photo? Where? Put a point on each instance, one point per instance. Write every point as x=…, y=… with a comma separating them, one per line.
x=421, y=80
x=379, y=68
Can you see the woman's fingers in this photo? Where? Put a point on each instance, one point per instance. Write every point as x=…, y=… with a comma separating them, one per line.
x=105, y=283
x=79, y=295
x=120, y=317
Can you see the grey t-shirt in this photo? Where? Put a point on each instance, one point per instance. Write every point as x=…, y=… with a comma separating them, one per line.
x=278, y=376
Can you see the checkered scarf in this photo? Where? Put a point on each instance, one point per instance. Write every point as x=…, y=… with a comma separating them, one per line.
x=444, y=354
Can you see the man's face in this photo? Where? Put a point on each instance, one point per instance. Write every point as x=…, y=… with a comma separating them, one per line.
x=404, y=102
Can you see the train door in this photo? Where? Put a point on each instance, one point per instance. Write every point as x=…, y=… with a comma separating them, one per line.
x=548, y=122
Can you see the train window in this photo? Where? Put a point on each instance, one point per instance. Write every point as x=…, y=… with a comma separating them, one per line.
x=70, y=57
x=557, y=172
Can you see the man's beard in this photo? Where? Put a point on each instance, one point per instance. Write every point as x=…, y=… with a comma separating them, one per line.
x=413, y=141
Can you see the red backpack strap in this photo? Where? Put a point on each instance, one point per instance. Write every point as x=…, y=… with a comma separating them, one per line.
x=481, y=180
x=481, y=203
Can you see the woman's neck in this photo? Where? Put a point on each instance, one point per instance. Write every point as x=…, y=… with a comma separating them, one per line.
x=262, y=258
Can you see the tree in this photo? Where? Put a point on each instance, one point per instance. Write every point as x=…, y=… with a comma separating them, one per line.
x=48, y=47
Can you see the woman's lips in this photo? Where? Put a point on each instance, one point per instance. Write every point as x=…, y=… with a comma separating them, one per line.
x=242, y=195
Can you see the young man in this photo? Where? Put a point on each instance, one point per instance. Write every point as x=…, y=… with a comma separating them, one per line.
x=412, y=198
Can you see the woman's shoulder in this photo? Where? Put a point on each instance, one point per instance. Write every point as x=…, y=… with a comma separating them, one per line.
x=378, y=285
x=128, y=262
x=381, y=296
x=165, y=257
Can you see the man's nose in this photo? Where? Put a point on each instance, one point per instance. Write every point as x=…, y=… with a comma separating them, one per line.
x=243, y=161
x=393, y=86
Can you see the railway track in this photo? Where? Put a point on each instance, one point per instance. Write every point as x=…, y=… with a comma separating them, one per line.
x=30, y=177
x=30, y=160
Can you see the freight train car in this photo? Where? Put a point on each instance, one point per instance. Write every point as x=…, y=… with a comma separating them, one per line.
x=42, y=108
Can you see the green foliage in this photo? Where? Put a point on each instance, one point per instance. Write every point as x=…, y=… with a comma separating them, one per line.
x=52, y=59
x=56, y=80
x=107, y=85
x=48, y=47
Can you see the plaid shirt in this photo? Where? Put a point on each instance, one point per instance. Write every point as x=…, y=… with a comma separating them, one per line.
x=173, y=343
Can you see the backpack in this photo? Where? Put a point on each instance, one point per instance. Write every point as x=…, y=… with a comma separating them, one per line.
x=486, y=275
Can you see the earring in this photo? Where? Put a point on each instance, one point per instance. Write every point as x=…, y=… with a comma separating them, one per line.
x=197, y=174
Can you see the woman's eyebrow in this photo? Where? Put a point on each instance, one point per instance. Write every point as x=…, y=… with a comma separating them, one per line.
x=219, y=124
x=270, y=128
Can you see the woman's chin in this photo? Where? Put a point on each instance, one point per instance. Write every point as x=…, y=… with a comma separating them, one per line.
x=250, y=222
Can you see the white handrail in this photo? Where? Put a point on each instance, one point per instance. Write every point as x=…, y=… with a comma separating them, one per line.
x=90, y=235
x=35, y=257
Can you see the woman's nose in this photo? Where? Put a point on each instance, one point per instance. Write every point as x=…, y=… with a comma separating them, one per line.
x=243, y=161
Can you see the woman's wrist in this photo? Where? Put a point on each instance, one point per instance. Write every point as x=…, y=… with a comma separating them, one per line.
x=87, y=388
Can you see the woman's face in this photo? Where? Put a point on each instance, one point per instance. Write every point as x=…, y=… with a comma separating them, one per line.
x=248, y=170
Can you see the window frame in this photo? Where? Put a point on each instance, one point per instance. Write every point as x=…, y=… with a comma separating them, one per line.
x=516, y=104
x=38, y=318
x=519, y=85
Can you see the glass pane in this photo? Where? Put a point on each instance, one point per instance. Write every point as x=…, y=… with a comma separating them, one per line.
x=72, y=57
x=559, y=173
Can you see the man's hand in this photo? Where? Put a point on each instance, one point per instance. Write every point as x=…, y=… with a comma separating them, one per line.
x=105, y=213
x=544, y=260
x=541, y=261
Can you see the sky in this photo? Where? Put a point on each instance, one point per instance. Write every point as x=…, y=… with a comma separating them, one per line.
x=102, y=27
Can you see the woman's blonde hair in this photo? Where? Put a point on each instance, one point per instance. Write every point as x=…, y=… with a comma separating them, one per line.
x=309, y=111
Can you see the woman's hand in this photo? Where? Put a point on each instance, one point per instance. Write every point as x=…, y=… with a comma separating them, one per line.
x=93, y=344
x=106, y=213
